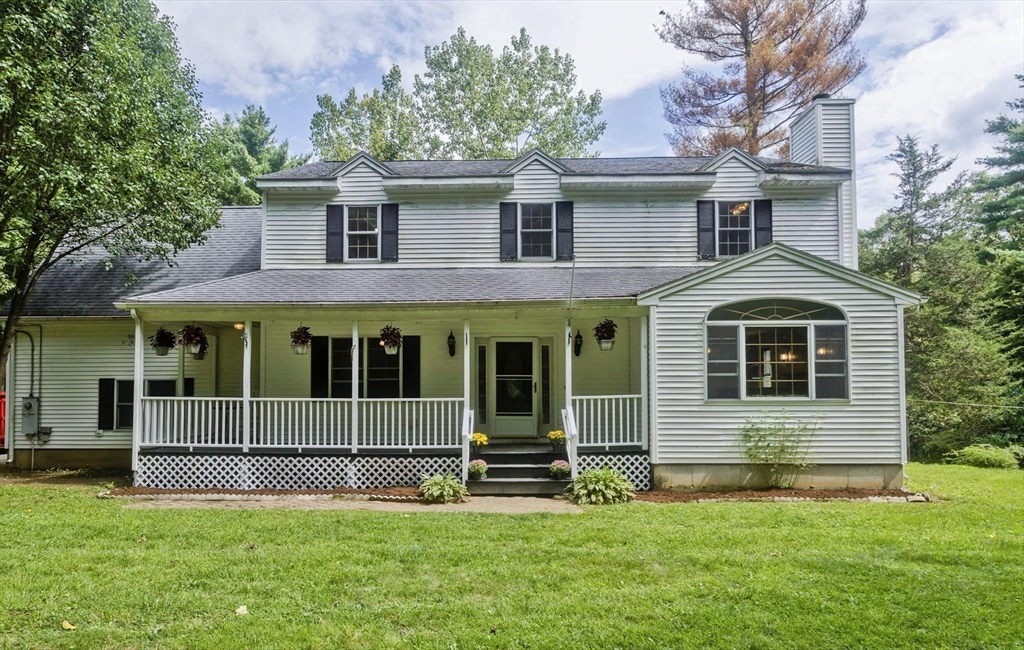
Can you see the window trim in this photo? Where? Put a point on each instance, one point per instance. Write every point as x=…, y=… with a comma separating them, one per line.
x=811, y=360
x=519, y=232
x=750, y=229
x=118, y=426
x=345, y=235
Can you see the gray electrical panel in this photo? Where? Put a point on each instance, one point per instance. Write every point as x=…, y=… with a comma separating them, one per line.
x=30, y=416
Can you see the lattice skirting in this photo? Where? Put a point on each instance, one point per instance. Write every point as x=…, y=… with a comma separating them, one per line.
x=235, y=472
x=636, y=467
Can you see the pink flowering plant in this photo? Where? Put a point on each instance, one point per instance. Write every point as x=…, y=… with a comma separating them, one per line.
x=478, y=468
x=560, y=469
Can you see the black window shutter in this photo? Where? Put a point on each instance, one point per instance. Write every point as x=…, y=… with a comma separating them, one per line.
x=762, y=223
x=189, y=390
x=389, y=232
x=106, y=405
x=319, y=367
x=410, y=366
x=706, y=230
x=508, y=213
x=563, y=223
x=335, y=233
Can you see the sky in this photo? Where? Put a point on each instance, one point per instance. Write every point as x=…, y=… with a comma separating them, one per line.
x=936, y=69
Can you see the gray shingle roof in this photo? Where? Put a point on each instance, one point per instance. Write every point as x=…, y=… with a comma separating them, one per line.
x=438, y=168
x=401, y=285
x=87, y=288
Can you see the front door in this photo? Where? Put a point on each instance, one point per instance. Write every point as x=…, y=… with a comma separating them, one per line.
x=514, y=386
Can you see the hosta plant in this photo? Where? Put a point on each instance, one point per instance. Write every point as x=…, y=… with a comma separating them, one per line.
x=600, y=487
x=442, y=489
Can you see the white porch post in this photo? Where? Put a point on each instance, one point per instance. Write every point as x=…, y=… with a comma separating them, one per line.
x=247, y=387
x=652, y=348
x=355, y=386
x=645, y=430
x=465, y=362
x=179, y=385
x=139, y=377
x=568, y=363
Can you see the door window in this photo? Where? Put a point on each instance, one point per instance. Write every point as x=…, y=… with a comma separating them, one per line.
x=513, y=378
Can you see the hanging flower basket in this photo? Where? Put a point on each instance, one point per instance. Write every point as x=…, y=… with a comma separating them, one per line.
x=163, y=341
x=390, y=339
x=605, y=334
x=194, y=340
x=301, y=340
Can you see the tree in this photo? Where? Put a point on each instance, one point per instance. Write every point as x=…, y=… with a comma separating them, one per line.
x=249, y=150
x=920, y=215
x=103, y=141
x=476, y=105
x=775, y=56
x=930, y=242
x=1004, y=209
x=383, y=123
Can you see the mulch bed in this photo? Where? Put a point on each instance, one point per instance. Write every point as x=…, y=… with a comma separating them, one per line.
x=390, y=492
x=673, y=496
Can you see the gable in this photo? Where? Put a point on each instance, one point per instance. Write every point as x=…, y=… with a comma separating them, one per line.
x=777, y=266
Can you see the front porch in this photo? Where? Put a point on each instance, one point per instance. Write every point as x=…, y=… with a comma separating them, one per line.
x=512, y=374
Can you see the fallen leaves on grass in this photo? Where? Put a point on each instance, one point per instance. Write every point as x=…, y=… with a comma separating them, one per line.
x=68, y=625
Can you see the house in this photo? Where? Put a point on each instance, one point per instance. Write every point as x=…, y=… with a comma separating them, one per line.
x=732, y=281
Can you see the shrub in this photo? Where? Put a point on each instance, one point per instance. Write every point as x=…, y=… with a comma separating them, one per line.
x=984, y=456
x=778, y=446
x=1018, y=453
x=601, y=486
x=442, y=489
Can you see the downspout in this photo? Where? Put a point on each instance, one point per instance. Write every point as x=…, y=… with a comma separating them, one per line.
x=32, y=384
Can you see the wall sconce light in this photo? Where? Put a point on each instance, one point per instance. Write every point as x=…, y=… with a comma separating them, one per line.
x=239, y=326
x=451, y=343
x=577, y=343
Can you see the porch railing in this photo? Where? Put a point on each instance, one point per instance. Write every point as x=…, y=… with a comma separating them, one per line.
x=609, y=420
x=192, y=421
x=281, y=422
x=410, y=423
x=298, y=423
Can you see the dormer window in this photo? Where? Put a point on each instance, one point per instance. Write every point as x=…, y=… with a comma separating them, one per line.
x=536, y=231
x=361, y=233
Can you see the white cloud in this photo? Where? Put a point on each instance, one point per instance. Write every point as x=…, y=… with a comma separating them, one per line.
x=936, y=70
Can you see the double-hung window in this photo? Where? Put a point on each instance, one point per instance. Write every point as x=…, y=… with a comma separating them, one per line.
x=536, y=231
x=734, y=226
x=362, y=231
x=777, y=348
x=124, y=404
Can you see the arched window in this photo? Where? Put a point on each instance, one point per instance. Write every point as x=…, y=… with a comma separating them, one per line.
x=777, y=347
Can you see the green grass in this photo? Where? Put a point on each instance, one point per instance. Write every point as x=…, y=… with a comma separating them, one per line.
x=737, y=575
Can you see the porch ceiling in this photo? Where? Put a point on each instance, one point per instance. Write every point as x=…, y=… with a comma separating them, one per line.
x=369, y=286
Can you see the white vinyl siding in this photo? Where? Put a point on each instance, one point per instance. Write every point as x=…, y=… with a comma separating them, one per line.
x=622, y=231
x=863, y=429
x=76, y=355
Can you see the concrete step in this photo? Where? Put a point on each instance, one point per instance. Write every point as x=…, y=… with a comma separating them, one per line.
x=496, y=457
x=521, y=470
x=513, y=486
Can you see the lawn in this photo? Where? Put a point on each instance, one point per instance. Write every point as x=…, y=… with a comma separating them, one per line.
x=737, y=575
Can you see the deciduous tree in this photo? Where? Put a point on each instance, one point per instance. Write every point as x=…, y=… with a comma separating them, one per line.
x=477, y=105
x=383, y=123
x=103, y=141
x=773, y=57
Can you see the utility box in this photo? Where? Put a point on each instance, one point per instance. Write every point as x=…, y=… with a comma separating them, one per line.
x=30, y=416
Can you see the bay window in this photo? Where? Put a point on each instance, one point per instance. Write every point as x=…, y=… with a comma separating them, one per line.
x=777, y=348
